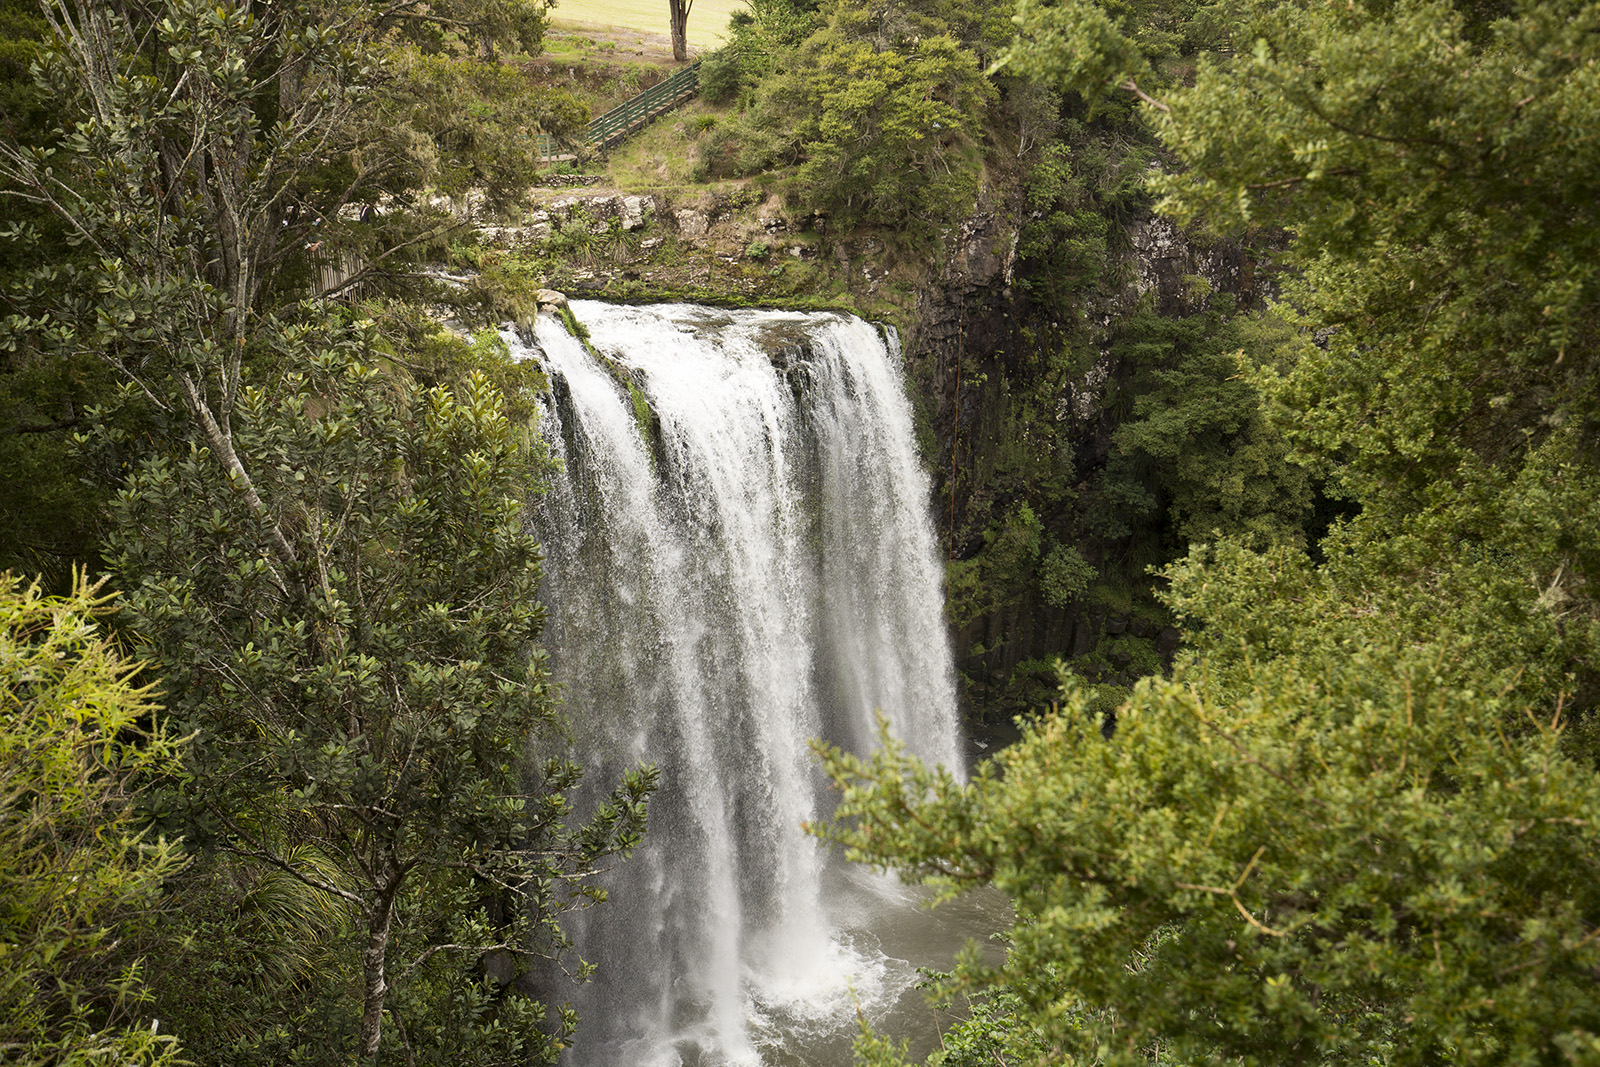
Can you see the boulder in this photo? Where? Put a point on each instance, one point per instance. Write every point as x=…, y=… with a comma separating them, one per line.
x=693, y=223
x=633, y=211
x=770, y=215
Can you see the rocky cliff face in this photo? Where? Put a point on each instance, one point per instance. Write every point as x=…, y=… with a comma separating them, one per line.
x=973, y=338
x=971, y=335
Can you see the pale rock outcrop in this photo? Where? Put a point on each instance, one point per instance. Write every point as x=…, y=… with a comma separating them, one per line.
x=693, y=222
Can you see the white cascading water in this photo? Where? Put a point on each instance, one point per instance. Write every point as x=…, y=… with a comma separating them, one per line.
x=740, y=559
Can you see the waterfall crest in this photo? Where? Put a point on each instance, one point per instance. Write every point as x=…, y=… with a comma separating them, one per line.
x=740, y=559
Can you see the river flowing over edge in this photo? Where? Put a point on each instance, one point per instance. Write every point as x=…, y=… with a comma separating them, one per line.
x=740, y=559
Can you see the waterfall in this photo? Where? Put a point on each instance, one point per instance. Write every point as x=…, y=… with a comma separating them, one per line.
x=739, y=559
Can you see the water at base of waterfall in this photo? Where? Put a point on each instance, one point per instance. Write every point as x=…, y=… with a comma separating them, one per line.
x=740, y=560
x=804, y=1012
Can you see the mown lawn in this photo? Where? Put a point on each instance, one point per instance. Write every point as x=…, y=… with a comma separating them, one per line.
x=708, y=19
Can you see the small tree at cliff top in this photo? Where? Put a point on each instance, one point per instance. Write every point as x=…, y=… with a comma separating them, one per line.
x=373, y=717
x=885, y=105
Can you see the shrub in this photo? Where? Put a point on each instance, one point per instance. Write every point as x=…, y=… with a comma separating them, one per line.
x=720, y=76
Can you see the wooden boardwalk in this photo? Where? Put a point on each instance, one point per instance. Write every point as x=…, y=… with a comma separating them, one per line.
x=624, y=119
x=614, y=125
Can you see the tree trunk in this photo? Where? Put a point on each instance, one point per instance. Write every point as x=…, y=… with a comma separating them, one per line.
x=680, y=28
x=372, y=962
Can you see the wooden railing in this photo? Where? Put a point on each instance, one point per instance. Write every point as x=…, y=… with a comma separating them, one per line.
x=545, y=147
x=623, y=119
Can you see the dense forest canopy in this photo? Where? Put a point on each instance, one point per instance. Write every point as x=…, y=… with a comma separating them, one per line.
x=1353, y=822
x=317, y=522
x=1357, y=824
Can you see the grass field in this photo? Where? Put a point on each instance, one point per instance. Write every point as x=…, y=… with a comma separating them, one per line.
x=708, y=19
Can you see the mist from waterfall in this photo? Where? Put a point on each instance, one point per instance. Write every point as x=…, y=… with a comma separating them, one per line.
x=740, y=559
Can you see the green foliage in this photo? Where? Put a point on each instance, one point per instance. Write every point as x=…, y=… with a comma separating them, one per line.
x=50, y=511
x=1465, y=176
x=1062, y=241
x=1428, y=182
x=745, y=146
x=434, y=355
x=24, y=111
x=478, y=117
x=1047, y=398
x=267, y=139
x=184, y=167
x=1435, y=235
x=986, y=1031
x=1008, y=558
x=761, y=37
x=251, y=957
x=719, y=77
x=78, y=748
x=879, y=108
x=48, y=524
x=190, y=173
x=1064, y=575
x=1196, y=441
x=1357, y=825
x=322, y=525
x=574, y=327
x=1123, y=655
x=887, y=135
x=1425, y=157
x=485, y=25
x=1355, y=846
x=354, y=651
x=1189, y=454
x=1093, y=46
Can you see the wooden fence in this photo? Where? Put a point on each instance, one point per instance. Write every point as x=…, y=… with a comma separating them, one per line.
x=623, y=119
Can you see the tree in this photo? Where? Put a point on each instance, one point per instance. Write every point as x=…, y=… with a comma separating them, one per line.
x=878, y=106
x=364, y=722
x=884, y=106
x=1357, y=825
x=1355, y=862
x=1431, y=174
x=678, y=18
x=217, y=163
x=48, y=513
x=887, y=133
x=375, y=722
x=367, y=740
x=760, y=36
x=1426, y=160
x=78, y=748
x=1195, y=441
